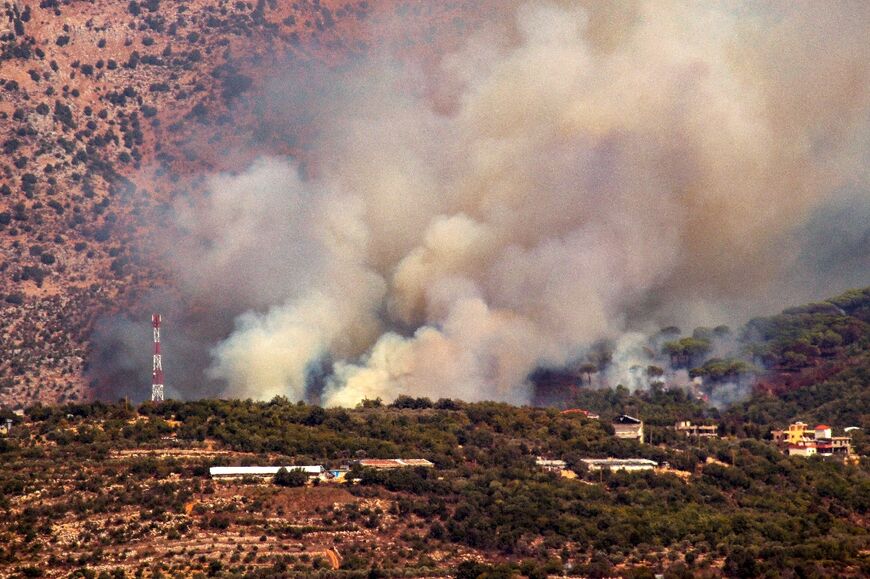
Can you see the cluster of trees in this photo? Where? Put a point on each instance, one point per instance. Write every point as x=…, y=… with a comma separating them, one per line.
x=842, y=399
x=762, y=512
x=686, y=352
x=798, y=338
x=721, y=369
x=290, y=478
x=751, y=506
x=658, y=405
x=755, y=508
x=801, y=336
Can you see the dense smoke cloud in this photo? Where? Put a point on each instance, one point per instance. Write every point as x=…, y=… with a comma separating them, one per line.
x=571, y=174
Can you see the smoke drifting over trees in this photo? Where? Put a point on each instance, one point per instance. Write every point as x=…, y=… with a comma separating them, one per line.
x=571, y=174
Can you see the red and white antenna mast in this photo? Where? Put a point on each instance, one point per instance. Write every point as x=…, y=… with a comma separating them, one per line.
x=157, y=366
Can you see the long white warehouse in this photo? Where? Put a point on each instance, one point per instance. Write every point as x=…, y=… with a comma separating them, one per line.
x=614, y=464
x=260, y=471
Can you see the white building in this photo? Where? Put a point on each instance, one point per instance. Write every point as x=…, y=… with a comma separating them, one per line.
x=615, y=464
x=260, y=471
x=550, y=465
x=389, y=463
x=697, y=430
x=822, y=431
x=807, y=448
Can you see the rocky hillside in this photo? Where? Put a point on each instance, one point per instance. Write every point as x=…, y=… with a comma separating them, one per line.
x=108, y=110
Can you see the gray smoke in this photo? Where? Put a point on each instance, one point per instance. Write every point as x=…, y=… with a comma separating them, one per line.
x=569, y=175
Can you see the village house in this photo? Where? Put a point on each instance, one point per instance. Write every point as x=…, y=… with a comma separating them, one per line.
x=549, y=465
x=628, y=427
x=800, y=440
x=337, y=475
x=822, y=431
x=802, y=448
x=795, y=433
x=697, y=430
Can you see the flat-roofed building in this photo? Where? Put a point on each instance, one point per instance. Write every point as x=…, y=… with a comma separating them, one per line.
x=550, y=465
x=822, y=431
x=617, y=464
x=834, y=445
x=800, y=440
x=795, y=433
x=697, y=430
x=388, y=463
x=260, y=471
x=802, y=448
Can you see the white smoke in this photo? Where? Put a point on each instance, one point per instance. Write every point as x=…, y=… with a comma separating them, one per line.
x=630, y=359
x=574, y=178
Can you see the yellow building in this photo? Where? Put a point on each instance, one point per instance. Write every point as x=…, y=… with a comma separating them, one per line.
x=802, y=441
x=794, y=434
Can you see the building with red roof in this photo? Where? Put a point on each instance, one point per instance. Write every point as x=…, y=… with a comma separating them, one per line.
x=801, y=441
x=822, y=431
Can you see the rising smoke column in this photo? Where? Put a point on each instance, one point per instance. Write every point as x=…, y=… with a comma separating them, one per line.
x=574, y=176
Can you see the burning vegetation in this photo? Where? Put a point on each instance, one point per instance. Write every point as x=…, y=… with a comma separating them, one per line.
x=557, y=179
x=448, y=253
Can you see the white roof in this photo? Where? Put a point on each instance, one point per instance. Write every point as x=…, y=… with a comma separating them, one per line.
x=260, y=470
x=385, y=462
x=620, y=461
x=548, y=462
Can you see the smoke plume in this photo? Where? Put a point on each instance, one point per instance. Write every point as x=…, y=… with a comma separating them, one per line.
x=574, y=172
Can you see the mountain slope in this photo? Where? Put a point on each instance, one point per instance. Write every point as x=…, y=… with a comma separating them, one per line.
x=109, y=110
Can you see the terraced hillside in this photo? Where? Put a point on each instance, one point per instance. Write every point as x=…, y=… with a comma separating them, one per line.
x=109, y=490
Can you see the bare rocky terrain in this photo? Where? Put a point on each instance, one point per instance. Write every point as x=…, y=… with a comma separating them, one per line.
x=108, y=110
